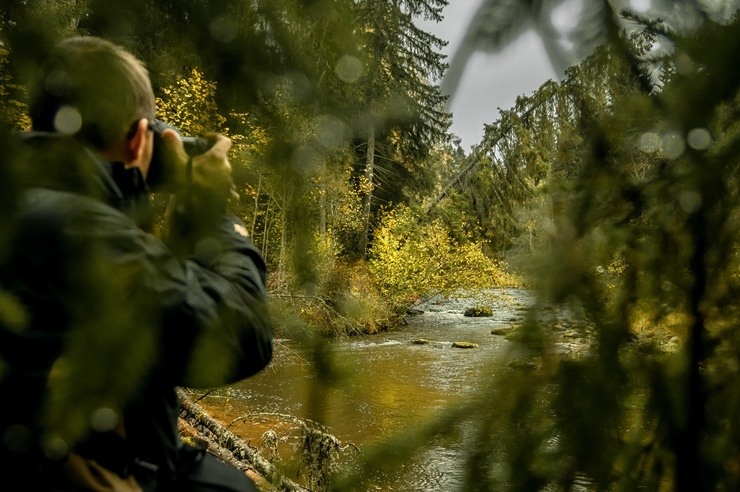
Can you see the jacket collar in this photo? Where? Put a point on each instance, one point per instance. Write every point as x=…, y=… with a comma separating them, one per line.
x=59, y=162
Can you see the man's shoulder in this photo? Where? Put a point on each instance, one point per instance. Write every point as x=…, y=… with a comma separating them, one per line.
x=55, y=209
x=63, y=164
x=58, y=202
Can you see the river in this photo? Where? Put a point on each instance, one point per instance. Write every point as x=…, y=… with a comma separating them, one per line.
x=381, y=384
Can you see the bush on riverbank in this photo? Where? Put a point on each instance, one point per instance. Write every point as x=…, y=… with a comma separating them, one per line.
x=410, y=260
x=413, y=260
x=346, y=302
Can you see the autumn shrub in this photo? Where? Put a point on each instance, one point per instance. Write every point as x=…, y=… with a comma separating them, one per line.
x=412, y=260
x=346, y=302
x=13, y=110
x=357, y=297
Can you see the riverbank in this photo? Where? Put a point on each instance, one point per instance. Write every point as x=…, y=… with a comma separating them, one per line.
x=351, y=298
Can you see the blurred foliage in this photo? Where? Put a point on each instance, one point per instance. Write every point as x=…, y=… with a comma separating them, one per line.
x=621, y=204
x=298, y=84
x=624, y=205
x=289, y=83
x=13, y=110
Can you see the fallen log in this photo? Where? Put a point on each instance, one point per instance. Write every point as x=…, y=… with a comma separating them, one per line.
x=198, y=425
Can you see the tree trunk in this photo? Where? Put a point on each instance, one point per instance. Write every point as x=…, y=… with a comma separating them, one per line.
x=228, y=447
x=367, y=198
x=322, y=211
x=266, y=232
x=283, y=258
x=256, y=206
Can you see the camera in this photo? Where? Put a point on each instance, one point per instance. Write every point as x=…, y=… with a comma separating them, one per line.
x=162, y=170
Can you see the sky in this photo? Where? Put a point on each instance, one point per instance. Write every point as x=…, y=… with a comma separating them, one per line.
x=490, y=81
x=493, y=81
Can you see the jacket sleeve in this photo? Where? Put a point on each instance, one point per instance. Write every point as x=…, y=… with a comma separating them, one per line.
x=208, y=302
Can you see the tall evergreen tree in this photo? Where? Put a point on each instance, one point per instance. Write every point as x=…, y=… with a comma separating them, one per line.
x=406, y=115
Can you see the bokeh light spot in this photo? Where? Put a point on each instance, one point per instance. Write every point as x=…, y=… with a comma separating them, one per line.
x=684, y=64
x=104, y=420
x=649, y=142
x=223, y=29
x=673, y=145
x=699, y=138
x=690, y=201
x=305, y=160
x=349, y=68
x=330, y=130
x=17, y=439
x=55, y=448
x=68, y=120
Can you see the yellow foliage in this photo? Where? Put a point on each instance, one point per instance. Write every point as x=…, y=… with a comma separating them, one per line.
x=190, y=105
x=13, y=108
x=411, y=261
x=253, y=142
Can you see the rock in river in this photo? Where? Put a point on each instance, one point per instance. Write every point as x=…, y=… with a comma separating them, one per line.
x=479, y=311
x=464, y=345
x=421, y=341
x=501, y=330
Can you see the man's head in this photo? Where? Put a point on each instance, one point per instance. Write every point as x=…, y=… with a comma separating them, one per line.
x=91, y=88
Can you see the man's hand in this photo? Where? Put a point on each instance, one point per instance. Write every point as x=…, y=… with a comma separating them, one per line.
x=211, y=170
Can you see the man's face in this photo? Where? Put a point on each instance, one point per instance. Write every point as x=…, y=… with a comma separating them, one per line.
x=147, y=153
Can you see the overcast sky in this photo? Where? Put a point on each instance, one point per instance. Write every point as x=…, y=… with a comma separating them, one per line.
x=490, y=81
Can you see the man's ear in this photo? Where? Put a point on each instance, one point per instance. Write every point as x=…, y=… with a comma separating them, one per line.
x=136, y=144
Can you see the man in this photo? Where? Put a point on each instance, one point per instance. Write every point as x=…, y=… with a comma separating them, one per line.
x=111, y=318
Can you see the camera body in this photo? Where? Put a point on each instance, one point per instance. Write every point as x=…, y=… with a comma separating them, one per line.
x=162, y=169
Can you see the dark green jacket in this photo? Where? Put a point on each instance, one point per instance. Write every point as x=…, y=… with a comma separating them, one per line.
x=114, y=319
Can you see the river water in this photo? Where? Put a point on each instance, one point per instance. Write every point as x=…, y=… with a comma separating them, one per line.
x=380, y=385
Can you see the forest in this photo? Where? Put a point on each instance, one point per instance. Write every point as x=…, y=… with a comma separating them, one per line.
x=612, y=195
